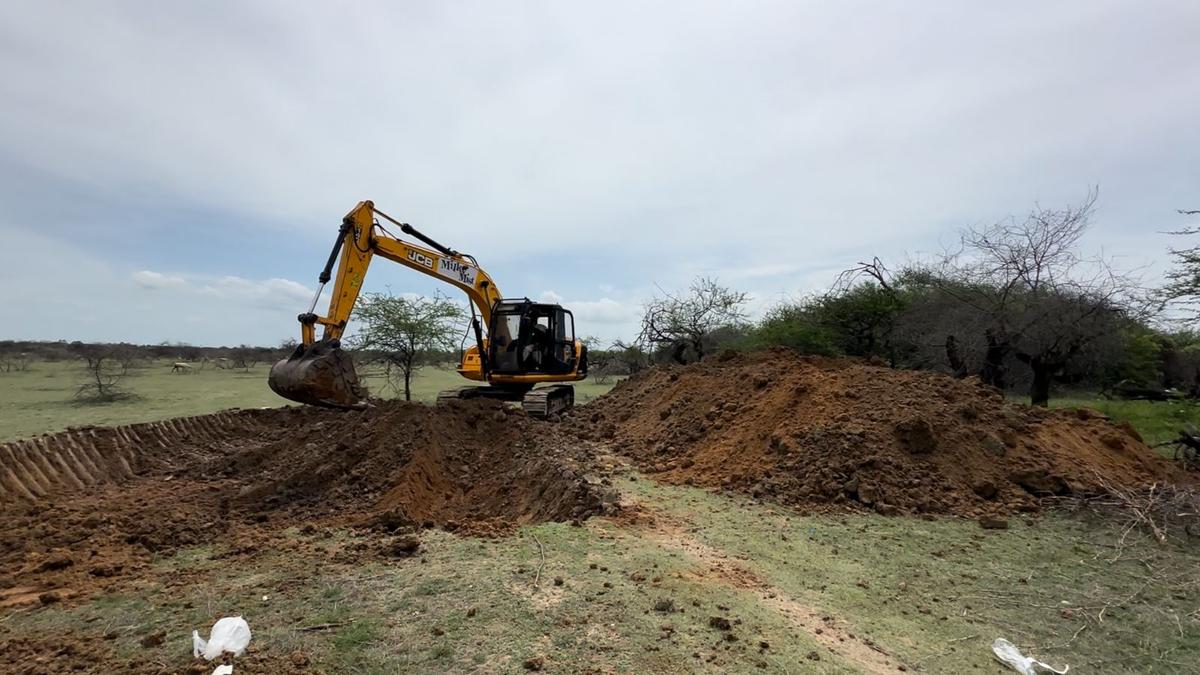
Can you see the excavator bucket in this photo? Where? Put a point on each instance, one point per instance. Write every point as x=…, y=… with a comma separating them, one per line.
x=319, y=374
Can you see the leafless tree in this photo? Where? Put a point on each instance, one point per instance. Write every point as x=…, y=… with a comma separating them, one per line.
x=12, y=362
x=1021, y=288
x=105, y=371
x=1183, y=281
x=679, y=323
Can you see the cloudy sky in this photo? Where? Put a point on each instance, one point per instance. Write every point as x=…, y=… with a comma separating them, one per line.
x=177, y=171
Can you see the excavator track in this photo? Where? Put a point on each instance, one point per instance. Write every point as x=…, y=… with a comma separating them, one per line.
x=547, y=401
x=541, y=403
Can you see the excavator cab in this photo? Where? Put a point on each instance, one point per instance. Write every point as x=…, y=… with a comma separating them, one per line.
x=529, y=338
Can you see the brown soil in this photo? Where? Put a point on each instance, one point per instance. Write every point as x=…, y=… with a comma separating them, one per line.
x=840, y=432
x=89, y=509
x=75, y=652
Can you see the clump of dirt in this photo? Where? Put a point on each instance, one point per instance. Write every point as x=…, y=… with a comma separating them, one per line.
x=841, y=432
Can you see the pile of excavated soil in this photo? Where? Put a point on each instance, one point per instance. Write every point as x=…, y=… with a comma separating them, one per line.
x=476, y=464
x=91, y=508
x=818, y=431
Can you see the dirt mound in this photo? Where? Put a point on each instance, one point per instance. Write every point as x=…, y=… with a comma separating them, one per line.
x=822, y=431
x=238, y=480
x=472, y=464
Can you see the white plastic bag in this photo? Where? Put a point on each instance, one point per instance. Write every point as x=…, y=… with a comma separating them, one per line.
x=231, y=634
x=223, y=670
x=1008, y=654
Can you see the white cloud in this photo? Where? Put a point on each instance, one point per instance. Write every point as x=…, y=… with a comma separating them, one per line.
x=605, y=318
x=153, y=280
x=606, y=312
x=84, y=297
x=269, y=293
x=260, y=292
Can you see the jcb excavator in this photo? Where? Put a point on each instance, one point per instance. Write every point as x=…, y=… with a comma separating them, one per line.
x=526, y=343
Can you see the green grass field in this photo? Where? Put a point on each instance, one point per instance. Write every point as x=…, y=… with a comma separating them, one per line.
x=42, y=399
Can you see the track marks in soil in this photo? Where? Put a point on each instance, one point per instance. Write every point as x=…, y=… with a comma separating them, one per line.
x=39, y=467
x=714, y=565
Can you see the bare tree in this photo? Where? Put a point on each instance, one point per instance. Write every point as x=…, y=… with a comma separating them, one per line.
x=679, y=323
x=1183, y=281
x=11, y=362
x=106, y=368
x=400, y=329
x=1034, y=296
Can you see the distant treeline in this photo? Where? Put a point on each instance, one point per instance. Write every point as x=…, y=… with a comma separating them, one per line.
x=62, y=350
x=242, y=356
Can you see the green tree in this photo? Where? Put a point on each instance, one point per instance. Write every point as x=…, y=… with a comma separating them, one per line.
x=796, y=325
x=856, y=317
x=401, y=329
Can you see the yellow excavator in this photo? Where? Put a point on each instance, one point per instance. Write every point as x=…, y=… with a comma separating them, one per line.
x=526, y=343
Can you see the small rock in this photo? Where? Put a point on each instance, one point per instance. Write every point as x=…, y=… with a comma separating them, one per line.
x=57, y=560
x=153, y=639
x=993, y=523
x=986, y=489
x=402, y=547
x=534, y=663
x=720, y=623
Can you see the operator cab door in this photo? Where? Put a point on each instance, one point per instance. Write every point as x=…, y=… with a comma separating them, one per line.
x=564, y=341
x=548, y=340
x=505, y=343
x=531, y=339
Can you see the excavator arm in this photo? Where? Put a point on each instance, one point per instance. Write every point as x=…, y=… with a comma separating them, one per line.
x=319, y=372
x=358, y=243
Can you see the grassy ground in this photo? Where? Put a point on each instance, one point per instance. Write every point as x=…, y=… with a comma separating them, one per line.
x=802, y=594
x=1156, y=421
x=42, y=398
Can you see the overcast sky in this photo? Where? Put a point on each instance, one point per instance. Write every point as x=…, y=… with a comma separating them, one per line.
x=177, y=171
